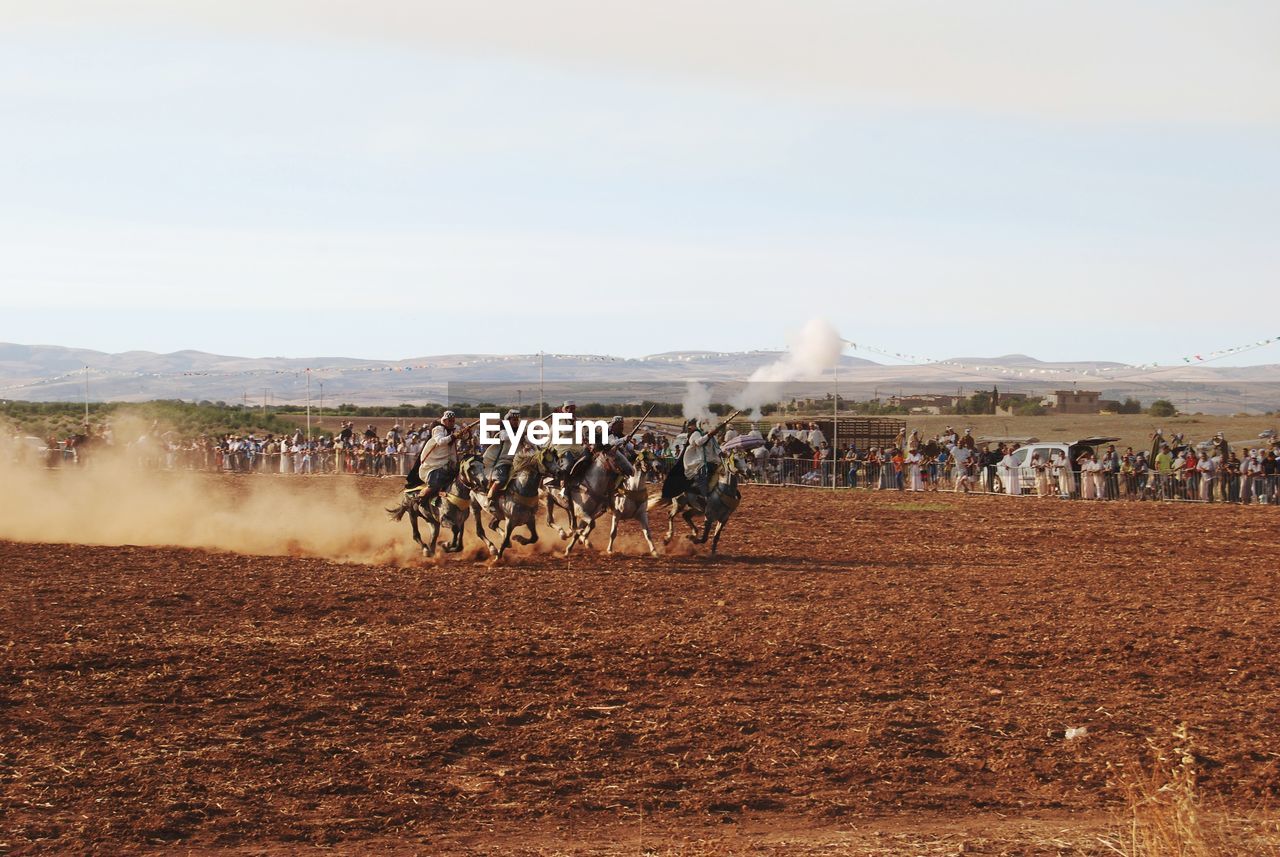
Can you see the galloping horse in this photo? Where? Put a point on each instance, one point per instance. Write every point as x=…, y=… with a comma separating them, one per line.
x=723, y=498
x=632, y=502
x=453, y=509
x=590, y=494
x=518, y=500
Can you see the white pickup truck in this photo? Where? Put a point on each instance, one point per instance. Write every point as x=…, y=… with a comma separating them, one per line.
x=1047, y=449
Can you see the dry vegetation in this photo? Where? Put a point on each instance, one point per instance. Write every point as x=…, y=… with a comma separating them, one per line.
x=1165, y=816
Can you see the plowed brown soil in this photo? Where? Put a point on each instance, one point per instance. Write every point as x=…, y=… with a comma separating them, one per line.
x=854, y=674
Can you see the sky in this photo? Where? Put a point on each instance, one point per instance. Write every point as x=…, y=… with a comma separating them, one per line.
x=390, y=179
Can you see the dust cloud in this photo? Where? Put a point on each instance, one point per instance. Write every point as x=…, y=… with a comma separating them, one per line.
x=112, y=501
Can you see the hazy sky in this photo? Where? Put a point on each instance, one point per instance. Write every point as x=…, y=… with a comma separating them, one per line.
x=1070, y=180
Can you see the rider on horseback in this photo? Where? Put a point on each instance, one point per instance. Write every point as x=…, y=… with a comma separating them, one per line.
x=617, y=433
x=701, y=456
x=569, y=455
x=499, y=456
x=438, y=458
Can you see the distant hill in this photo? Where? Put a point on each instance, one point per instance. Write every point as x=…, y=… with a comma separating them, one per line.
x=56, y=373
x=1023, y=361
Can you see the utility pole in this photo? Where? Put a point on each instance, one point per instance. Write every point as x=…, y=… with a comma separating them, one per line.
x=86, y=395
x=308, y=404
x=542, y=394
x=320, y=421
x=835, y=420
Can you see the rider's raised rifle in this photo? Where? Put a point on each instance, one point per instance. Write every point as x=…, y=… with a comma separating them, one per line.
x=635, y=428
x=724, y=423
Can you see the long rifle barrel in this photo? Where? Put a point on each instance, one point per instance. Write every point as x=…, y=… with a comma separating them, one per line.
x=635, y=428
x=724, y=422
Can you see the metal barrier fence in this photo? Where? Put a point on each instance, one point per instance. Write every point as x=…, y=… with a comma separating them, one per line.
x=1185, y=486
x=1193, y=486
x=332, y=460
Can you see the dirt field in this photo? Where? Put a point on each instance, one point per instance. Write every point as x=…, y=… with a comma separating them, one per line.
x=862, y=674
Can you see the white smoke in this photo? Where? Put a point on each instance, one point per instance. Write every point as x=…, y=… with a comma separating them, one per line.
x=811, y=354
x=697, y=401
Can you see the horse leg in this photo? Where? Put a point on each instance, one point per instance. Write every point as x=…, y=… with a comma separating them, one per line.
x=551, y=504
x=613, y=533
x=506, y=539
x=573, y=535
x=480, y=533
x=573, y=524
x=643, y=518
x=417, y=534
x=533, y=531
x=569, y=508
x=719, y=529
x=706, y=531
x=586, y=532
x=688, y=519
x=671, y=524
x=455, y=526
x=435, y=535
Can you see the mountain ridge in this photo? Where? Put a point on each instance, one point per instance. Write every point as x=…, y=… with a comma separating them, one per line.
x=56, y=373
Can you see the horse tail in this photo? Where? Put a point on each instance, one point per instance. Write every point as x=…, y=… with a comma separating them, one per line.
x=657, y=502
x=406, y=503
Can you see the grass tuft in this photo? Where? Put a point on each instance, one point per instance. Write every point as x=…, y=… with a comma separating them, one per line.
x=1164, y=815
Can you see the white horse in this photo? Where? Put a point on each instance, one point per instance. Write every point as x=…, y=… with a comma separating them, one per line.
x=632, y=501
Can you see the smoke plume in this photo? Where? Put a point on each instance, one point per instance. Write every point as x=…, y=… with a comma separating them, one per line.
x=811, y=354
x=697, y=400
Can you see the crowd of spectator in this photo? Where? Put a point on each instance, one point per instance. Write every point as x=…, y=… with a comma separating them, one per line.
x=790, y=453
x=958, y=462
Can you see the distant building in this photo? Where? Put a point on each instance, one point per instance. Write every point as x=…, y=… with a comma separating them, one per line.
x=925, y=403
x=1076, y=402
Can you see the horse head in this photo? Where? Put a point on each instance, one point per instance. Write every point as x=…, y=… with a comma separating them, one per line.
x=740, y=465
x=615, y=460
x=471, y=472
